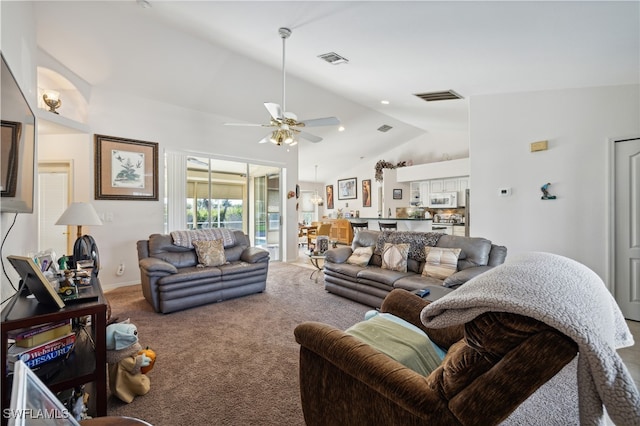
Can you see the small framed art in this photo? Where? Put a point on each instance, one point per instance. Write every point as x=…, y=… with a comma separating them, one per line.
x=329, y=196
x=397, y=194
x=366, y=193
x=348, y=189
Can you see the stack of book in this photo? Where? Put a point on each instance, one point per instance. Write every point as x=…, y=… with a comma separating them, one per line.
x=41, y=344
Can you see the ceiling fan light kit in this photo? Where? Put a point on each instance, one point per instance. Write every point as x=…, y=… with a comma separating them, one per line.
x=286, y=123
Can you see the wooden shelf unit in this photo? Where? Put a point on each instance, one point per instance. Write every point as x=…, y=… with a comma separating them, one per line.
x=340, y=230
x=86, y=364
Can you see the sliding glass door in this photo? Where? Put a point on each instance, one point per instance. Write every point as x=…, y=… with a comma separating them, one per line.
x=226, y=194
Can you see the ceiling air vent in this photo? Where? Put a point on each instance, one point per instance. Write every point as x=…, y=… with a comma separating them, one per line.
x=384, y=128
x=438, y=96
x=333, y=58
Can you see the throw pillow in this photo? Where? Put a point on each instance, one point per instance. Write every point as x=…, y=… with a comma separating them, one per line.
x=394, y=257
x=210, y=253
x=361, y=256
x=440, y=262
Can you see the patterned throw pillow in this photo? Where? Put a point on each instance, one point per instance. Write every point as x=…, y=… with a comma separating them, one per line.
x=394, y=257
x=210, y=253
x=361, y=256
x=440, y=262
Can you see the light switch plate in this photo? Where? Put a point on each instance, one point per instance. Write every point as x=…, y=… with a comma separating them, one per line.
x=539, y=146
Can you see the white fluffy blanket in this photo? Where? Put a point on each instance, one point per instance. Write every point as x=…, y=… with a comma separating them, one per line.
x=571, y=298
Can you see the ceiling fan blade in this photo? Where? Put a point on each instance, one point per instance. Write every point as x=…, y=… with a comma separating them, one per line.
x=247, y=124
x=310, y=137
x=326, y=121
x=275, y=110
x=265, y=139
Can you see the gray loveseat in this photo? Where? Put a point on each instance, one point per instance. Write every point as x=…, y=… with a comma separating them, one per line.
x=172, y=280
x=370, y=284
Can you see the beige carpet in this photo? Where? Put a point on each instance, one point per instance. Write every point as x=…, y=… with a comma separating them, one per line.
x=229, y=363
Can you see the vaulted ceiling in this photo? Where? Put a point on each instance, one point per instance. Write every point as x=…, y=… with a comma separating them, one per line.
x=225, y=57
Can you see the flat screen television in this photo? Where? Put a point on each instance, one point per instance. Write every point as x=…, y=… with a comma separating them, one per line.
x=18, y=140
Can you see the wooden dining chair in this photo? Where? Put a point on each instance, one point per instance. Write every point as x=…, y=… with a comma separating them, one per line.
x=388, y=226
x=359, y=226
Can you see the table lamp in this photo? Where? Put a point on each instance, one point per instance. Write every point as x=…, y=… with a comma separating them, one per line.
x=80, y=214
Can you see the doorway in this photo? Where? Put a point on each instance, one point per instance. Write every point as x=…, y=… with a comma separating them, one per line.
x=54, y=196
x=626, y=232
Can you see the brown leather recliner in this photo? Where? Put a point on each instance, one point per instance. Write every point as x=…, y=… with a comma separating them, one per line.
x=493, y=364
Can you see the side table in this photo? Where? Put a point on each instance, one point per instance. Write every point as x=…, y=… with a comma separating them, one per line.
x=315, y=261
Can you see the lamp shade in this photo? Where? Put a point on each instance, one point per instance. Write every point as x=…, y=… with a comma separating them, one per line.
x=79, y=214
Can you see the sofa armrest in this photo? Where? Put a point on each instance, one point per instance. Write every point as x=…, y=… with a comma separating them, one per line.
x=406, y=305
x=335, y=366
x=338, y=255
x=153, y=266
x=254, y=255
x=461, y=277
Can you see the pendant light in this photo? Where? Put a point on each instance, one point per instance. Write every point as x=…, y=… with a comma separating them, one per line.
x=316, y=199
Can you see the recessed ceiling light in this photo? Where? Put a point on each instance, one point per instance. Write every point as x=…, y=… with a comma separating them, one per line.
x=341, y=129
x=384, y=102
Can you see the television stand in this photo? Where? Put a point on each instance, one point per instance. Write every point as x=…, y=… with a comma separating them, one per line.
x=89, y=357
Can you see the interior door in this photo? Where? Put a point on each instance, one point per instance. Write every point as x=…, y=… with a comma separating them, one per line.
x=54, y=196
x=627, y=227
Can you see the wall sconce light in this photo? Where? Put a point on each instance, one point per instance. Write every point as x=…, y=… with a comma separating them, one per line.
x=52, y=99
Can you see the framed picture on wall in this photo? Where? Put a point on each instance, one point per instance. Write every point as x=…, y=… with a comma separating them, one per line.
x=397, y=194
x=125, y=169
x=366, y=193
x=329, y=196
x=348, y=189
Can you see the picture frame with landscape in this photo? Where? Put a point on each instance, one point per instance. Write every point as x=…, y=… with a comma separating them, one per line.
x=125, y=169
x=348, y=189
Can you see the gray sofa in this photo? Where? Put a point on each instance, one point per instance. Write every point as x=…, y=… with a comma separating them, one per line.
x=172, y=281
x=370, y=284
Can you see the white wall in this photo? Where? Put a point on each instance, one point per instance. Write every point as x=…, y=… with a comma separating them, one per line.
x=173, y=128
x=578, y=124
x=18, y=47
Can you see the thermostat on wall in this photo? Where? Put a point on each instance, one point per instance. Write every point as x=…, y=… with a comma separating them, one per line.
x=504, y=192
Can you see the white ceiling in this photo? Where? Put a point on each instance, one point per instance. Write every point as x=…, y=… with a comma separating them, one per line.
x=225, y=57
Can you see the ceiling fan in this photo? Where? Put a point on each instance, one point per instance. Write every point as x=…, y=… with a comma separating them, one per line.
x=286, y=124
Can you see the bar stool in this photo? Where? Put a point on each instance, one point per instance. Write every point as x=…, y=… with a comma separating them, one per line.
x=359, y=226
x=388, y=226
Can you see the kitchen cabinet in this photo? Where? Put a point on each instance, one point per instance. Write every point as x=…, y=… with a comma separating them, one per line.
x=463, y=185
x=458, y=230
x=444, y=185
x=420, y=190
